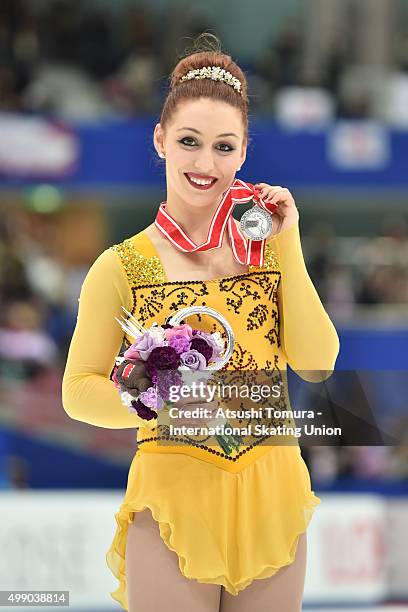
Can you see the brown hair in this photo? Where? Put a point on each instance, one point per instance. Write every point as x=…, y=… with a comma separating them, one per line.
x=206, y=51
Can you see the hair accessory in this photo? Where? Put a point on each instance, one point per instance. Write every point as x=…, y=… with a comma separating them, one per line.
x=216, y=74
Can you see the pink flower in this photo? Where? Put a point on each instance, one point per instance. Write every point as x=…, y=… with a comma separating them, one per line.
x=146, y=343
x=179, y=330
x=131, y=353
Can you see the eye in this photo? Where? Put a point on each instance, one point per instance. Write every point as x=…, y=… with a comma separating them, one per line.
x=189, y=138
x=224, y=144
x=181, y=141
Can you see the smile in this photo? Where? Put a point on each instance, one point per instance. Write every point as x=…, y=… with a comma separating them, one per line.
x=200, y=183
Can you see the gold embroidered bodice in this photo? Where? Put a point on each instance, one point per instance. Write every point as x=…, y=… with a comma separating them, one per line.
x=248, y=301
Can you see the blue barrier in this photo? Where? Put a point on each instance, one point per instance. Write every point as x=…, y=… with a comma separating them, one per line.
x=373, y=349
x=120, y=153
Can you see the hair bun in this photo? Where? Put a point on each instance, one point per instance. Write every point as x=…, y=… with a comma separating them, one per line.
x=229, y=86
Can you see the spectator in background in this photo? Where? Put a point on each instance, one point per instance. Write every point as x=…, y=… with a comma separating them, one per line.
x=281, y=61
x=393, y=105
x=296, y=99
x=18, y=52
x=10, y=88
x=277, y=67
x=18, y=470
x=339, y=297
x=25, y=348
x=320, y=246
x=134, y=87
x=13, y=278
x=4, y=449
x=75, y=52
x=383, y=262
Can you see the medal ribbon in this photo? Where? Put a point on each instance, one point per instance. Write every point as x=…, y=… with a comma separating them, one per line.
x=245, y=250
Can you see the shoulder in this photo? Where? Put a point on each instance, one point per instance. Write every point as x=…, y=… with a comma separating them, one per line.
x=138, y=260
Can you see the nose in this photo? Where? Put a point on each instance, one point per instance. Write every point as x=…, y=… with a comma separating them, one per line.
x=204, y=161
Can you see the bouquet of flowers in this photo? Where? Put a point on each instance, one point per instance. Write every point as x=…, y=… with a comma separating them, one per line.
x=156, y=360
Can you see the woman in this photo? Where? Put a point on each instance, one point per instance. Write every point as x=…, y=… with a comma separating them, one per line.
x=199, y=529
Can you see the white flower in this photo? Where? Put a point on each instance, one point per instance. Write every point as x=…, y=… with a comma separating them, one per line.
x=156, y=332
x=218, y=340
x=126, y=398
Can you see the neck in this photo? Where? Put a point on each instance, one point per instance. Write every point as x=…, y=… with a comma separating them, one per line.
x=194, y=221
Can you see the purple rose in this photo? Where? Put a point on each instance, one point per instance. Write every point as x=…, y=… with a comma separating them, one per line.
x=216, y=350
x=181, y=344
x=202, y=346
x=193, y=359
x=162, y=358
x=146, y=344
x=143, y=411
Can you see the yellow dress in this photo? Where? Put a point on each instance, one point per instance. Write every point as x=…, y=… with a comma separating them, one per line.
x=229, y=518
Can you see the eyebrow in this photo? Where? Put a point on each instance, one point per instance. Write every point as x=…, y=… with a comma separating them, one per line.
x=197, y=132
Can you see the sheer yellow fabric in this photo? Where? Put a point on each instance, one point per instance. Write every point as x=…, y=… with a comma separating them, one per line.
x=230, y=519
x=88, y=394
x=226, y=528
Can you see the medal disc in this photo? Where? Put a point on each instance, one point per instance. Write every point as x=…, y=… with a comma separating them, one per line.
x=256, y=223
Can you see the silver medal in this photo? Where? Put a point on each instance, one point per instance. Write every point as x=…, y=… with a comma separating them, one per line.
x=256, y=223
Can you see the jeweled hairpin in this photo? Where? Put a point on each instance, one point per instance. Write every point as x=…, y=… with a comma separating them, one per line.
x=216, y=74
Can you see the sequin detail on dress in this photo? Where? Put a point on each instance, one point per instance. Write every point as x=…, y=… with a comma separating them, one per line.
x=139, y=269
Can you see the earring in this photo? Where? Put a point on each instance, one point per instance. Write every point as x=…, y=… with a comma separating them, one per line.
x=162, y=155
x=238, y=169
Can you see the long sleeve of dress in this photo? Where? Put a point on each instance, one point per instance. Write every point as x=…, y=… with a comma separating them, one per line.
x=309, y=338
x=88, y=394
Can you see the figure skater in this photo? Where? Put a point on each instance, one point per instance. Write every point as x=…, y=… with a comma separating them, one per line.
x=200, y=529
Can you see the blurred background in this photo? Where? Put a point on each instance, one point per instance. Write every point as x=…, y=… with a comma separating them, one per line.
x=81, y=88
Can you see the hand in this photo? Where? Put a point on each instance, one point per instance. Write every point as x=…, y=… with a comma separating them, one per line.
x=286, y=214
x=192, y=403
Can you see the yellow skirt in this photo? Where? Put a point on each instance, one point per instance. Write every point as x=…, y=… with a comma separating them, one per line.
x=226, y=528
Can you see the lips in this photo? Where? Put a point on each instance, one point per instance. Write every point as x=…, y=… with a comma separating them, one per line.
x=200, y=176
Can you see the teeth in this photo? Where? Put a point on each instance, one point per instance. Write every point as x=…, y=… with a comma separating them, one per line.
x=200, y=181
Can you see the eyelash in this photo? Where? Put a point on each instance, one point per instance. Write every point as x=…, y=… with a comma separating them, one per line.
x=190, y=138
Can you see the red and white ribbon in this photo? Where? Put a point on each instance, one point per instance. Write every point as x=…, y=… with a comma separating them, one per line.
x=245, y=250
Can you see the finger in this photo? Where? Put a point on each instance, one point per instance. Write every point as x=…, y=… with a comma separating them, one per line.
x=274, y=191
x=269, y=188
x=282, y=197
x=267, y=185
x=269, y=193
